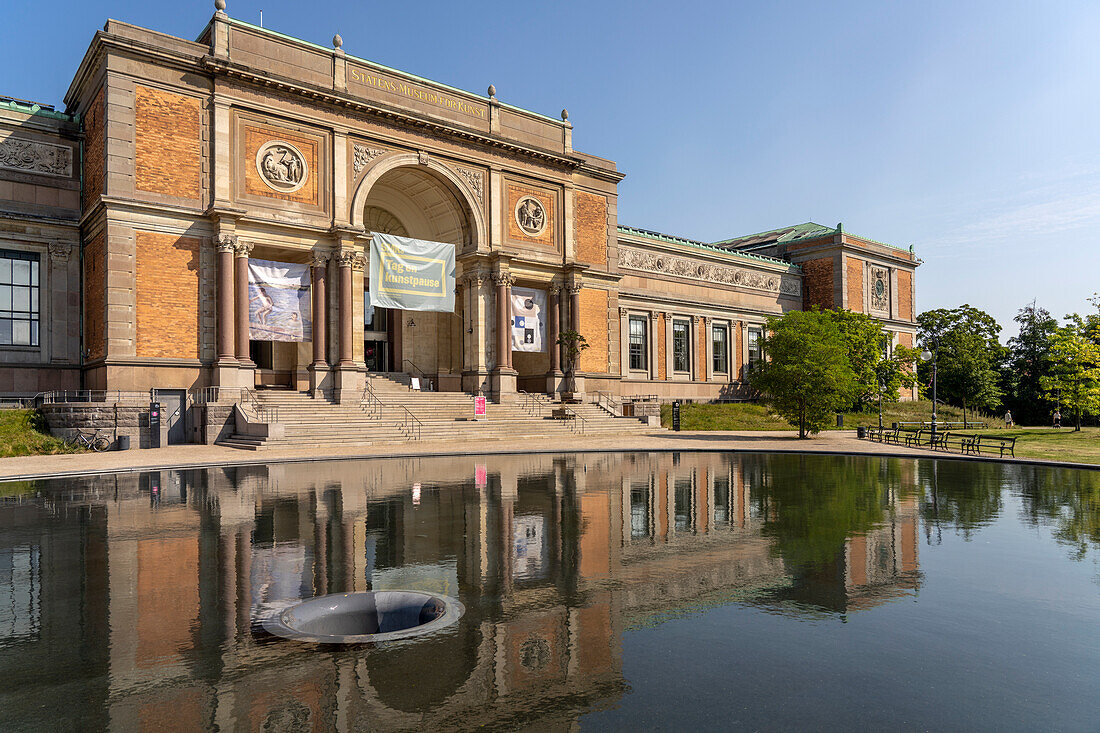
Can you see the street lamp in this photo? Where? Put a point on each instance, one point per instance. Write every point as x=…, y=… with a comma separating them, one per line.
x=880, y=391
x=927, y=355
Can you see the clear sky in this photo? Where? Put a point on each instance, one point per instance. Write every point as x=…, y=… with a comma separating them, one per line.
x=968, y=129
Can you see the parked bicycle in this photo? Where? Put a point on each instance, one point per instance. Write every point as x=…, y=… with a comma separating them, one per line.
x=96, y=441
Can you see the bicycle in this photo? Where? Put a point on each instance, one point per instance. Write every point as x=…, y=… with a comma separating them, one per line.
x=97, y=442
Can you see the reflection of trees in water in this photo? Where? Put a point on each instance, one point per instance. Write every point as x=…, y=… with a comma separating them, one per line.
x=961, y=495
x=812, y=504
x=1067, y=500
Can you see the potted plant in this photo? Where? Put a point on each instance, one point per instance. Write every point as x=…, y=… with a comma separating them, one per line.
x=572, y=344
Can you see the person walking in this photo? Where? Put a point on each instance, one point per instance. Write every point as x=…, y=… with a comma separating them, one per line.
x=1057, y=418
x=1008, y=418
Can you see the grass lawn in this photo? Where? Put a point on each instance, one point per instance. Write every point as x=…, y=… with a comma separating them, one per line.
x=753, y=416
x=24, y=433
x=1057, y=445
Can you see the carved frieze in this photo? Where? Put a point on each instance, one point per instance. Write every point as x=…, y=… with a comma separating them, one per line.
x=36, y=157
x=673, y=265
x=363, y=155
x=475, y=179
x=880, y=289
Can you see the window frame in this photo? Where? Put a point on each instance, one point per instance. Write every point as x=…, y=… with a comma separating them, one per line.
x=686, y=325
x=723, y=366
x=754, y=352
x=32, y=314
x=643, y=348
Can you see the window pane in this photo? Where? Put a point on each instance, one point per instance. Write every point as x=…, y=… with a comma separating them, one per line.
x=34, y=300
x=34, y=333
x=5, y=331
x=5, y=297
x=21, y=272
x=21, y=333
x=720, y=337
x=5, y=271
x=34, y=272
x=680, y=346
x=21, y=299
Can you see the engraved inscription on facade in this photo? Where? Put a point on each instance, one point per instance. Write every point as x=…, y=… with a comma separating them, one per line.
x=695, y=270
x=282, y=166
x=34, y=157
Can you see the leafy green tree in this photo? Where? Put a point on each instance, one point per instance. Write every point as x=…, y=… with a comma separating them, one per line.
x=1029, y=360
x=968, y=354
x=806, y=377
x=867, y=344
x=572, y=344
x=1075, y=375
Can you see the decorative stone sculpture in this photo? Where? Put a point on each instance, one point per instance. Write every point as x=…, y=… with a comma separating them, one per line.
x=282, y=166
x=531, y=216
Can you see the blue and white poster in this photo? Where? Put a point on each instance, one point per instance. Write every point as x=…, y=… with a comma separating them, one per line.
x=279, y=301
x=528, y=319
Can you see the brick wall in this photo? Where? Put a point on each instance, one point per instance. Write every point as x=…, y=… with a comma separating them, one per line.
x=817, y=283
x=905, y=339
x=593, y=305
x=95, y=294
x=167, y=285
x=254, y=139
x=548, y=235
x=701, y=351
x=737, y=352
x=95, y=151
x=905, y=295
x=168, y=139
x=590, y=222
x=855, y=284
x=662, y=372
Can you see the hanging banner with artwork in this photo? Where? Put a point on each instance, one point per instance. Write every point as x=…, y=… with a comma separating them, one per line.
x=411, y=274
x=278, y=301
x=528, y=319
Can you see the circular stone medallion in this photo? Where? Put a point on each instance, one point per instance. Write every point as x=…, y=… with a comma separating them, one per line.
x=531, y=216
x=282, y=166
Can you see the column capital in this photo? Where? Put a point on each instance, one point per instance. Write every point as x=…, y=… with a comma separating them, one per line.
x=475, y=279
x=347, y=257
x=668, y=317
x=554, y=288
x=623, y=312
x=654, y=315
x=503, y=279
x=573, y=288
x=59, y=251
x=320, y=257
x=695, y=320
x=243, y=249
x=225, y=242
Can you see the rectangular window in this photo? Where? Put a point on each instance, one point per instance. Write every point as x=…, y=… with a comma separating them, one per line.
x=681, y=347
x=638, y=343
x=756, y=353
x=18, y=298
x=720, y=337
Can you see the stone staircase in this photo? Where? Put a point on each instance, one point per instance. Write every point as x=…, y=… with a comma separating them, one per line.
x=405, y=415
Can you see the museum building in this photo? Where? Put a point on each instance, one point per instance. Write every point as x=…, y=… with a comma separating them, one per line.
x=148, y=234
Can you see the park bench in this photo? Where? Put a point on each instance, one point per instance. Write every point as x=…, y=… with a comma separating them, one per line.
x=962, y=442
x=996, y=442
x=874, y=433
x=891, y=435
x=562, y=413
x=917, y=438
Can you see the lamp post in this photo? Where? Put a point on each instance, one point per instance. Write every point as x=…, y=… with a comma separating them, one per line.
x=927, y=355
x=880, y=390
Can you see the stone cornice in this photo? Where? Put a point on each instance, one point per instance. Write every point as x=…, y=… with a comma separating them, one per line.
x=717, y=273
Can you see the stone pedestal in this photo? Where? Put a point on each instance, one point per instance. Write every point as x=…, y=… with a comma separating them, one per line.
x=320, y=379
x=347, y=384
x=503, y=383
x=225, y=374
x=476, y=381
x=555, y=382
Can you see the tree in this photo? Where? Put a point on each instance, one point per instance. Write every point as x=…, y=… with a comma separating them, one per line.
x=806, y=376
x=968, y=356
x=572, y=343
x=1029, y=360
x=1075, y=374
x=868, y=347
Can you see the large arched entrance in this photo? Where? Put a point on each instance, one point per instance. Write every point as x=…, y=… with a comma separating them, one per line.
x=424, y=202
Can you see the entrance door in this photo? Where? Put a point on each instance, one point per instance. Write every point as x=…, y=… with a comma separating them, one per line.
x=173, y=403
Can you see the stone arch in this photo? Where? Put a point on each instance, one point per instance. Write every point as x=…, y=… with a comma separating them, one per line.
x=443, y=174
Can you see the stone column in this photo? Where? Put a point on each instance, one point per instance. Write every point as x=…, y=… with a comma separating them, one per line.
x=669, y=361
x=347, y=383
x=225, y=369
x=708, y=344
x=652, y=345
x=247, y=375
x=693, y=349
x=624, y=343
x=575, y=325
x=553, y=330
x=504, y=381
x=319, y=379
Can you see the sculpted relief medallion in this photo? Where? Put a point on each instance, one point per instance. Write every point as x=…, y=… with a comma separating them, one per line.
x=531, y=216
x=282, y=166
x=880, y=289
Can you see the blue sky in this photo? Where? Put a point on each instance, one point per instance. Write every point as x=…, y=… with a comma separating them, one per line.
x=966, y=129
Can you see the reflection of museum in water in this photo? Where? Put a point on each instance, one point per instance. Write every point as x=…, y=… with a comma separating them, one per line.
x=157, y=579
x=132, y=218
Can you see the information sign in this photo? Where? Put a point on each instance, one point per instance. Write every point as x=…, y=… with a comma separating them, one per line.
x=676, y=416
x=479, y=407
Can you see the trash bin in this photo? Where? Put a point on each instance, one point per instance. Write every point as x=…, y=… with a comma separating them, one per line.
x=122, y=442
x=861, y=432
x=840, y=420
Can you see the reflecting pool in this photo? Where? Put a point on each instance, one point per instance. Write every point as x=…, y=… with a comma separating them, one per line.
x=602, y=591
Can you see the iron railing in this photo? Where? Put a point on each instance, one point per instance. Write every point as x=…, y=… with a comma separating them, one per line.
x=261, y=412
x=410, y=424
x=370, y=403
x=607, y=401
x=425, y=380
x=532, y=403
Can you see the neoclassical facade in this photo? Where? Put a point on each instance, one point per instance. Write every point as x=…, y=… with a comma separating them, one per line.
x=131, y=218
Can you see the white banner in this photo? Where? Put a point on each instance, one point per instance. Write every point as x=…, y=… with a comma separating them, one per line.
x=412, y=274
x=278, y=301
x=528, y=319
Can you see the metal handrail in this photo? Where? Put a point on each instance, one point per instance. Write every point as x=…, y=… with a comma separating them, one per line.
x=91, y=395
x=263, y=413
x=603, y=396
x=411, y=425
x=532, y=403
x=425, y=379
x=370, y=402
x=578, y=424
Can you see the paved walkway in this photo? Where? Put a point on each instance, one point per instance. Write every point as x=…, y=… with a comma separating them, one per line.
x=188, y=456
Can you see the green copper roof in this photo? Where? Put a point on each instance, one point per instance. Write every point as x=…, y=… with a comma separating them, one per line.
x=647, y=234
x=382, y=67
x=774, y=236
x=32, y=108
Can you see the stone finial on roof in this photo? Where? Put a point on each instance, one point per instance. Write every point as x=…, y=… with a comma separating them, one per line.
x=565, y=115
x=219, y=5
x=492, y=92
x=840, y=228
x=337, y=41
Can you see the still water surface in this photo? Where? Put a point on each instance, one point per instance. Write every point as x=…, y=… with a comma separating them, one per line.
x=602, y=591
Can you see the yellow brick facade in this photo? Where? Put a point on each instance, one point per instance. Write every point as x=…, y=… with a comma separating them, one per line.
x=590, y=220
x=855, y=284
x=593, y=310
x=167, y=289
x=168, y=143
x=548, y=236
x=256, y=137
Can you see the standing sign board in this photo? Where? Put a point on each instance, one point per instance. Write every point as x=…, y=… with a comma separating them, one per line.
x=479, y=407
x=411, y=274
x=676, y=416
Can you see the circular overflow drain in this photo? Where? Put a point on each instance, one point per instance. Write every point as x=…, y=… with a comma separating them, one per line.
x=352, y=618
